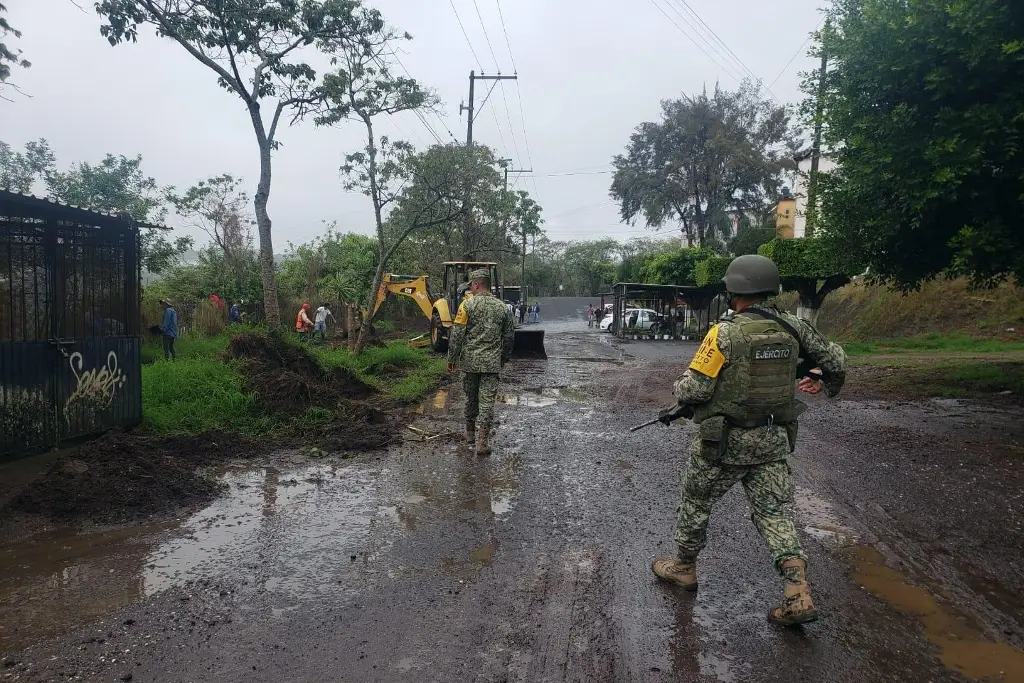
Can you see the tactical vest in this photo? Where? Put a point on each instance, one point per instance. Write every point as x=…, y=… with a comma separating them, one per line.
x=756, y=387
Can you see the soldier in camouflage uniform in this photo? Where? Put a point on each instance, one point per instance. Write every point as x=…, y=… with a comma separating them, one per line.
x=480, y=344
x=740, y=387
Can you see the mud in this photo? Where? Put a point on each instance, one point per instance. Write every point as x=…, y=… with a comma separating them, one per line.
x=120, y=476
x=287, y=379
x=423, y=562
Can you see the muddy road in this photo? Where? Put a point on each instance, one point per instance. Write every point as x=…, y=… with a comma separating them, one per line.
x=424, y=563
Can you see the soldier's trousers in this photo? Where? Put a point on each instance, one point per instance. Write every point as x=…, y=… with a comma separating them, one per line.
x=481, y=391
x=769, y=489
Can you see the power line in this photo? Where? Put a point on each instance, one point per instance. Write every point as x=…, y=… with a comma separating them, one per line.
x=486, y=37
x=466, y=35
x=798, y=50
x=735, y=57
x=507, y=42
x=526, y=138
x=696, y=44
x=512, y=130
x=700, y=33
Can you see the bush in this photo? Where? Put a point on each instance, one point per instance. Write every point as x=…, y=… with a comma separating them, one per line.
x=710, y=271
x=194, y=395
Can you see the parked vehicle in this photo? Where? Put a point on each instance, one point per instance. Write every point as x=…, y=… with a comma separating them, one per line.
x=636, y=318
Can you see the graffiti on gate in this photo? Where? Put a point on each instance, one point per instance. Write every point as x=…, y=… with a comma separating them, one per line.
x=96, y=387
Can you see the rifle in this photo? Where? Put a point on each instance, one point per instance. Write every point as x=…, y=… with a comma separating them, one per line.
x=668, y=416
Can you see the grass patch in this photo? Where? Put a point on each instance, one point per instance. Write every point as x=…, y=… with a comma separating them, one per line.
x=960, y=379
x=932, y=342
x=195, y=395
x=203, y=390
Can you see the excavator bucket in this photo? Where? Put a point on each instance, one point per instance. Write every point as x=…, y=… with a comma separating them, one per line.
x=529, y=344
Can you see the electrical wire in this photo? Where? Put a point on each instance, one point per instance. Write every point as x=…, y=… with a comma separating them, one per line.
x=419, y=114
x=466, y=35
x=508, y=43
x=695, y=43
x=486, y=37
x=526, y=139
x=798, y=51
x=735, y=58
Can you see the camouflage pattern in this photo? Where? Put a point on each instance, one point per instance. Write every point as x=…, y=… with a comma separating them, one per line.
x=481, y=391
x=482, y=335
x=754, y=456
x=769, y=489
x=762, y=444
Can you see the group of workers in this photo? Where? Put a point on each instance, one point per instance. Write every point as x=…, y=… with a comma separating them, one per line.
x=739, y=389
x=311, y=330
x=524, y=312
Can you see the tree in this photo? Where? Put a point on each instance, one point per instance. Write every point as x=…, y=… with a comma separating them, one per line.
x=363, y=89
x=337, y=266
x=676, y=267
x=922, y=111
x=707, y=156
x=19, y=171
x=750, y=235
x=255, y=47
x=9, y=57
x=217, y=206
x=812, y=269
x=118, y=185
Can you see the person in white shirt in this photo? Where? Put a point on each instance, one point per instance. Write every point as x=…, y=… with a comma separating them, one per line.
x=320, y=321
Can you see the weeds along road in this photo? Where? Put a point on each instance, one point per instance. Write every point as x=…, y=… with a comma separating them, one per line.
x=428, y=564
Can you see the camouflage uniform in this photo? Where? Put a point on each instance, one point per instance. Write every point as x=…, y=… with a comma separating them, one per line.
x=755, y=456
x=480, y=343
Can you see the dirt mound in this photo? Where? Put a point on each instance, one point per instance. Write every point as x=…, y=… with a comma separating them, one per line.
x=288, y=380
x=120, y=477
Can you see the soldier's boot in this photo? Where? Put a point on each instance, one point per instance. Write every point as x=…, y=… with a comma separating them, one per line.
x=483, y=442
x=797, y=606
x=674, y=570
x=470, y=432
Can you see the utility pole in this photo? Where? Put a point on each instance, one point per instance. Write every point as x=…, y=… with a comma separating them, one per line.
x=819, y=115
x=471, y=107
x=471, y=116
x=504, y=164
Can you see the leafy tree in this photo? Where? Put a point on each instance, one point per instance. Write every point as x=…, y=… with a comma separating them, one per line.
x=256, y=49
x=676, y=267
x=118, y=185
x=9, y=56
x=706, y=157
x=217, y=206
x=364, y=89
x=922, y=111
x=19, y=171
x=751, y=235
x=337, y=266
x=812, y=269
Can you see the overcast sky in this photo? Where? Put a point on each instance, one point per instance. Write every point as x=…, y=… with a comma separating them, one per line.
x=590, y=71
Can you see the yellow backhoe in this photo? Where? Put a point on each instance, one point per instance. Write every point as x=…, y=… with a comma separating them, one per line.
x=440, y=307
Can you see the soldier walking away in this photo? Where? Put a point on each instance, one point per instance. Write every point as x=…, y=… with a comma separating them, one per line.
x=480, y=344
x=741, y=389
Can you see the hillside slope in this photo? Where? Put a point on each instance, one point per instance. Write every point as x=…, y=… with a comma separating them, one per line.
x=860, y=312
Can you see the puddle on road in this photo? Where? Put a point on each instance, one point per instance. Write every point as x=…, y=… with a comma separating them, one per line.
x=821, y=520
x=962, y=646
x=435, y=405
x=532, y=398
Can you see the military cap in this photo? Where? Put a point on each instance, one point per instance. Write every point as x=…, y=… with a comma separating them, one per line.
x=479, y=274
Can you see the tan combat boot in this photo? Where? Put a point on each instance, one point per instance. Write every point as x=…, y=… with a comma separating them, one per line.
x=796, y=607
x=471, y=432
x=672, y=570
x=483, y=442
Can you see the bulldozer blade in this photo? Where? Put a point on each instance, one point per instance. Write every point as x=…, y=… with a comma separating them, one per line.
x=529, y=344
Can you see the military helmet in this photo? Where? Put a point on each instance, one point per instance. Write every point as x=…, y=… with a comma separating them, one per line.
x=752, y=274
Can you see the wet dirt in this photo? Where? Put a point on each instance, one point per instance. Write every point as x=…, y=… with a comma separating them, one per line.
x=423, y=562
x=287, y=379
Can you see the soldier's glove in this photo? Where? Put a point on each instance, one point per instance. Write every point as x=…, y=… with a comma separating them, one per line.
x=673, y=413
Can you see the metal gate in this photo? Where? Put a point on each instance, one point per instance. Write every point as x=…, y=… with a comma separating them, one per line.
x=69, y=323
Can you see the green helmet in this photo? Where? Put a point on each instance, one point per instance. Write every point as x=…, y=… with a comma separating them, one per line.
x=752, y=274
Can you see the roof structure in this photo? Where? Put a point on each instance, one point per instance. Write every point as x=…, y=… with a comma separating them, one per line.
x=16, y=205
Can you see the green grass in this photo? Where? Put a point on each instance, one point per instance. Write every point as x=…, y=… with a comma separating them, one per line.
x=930, y=343
x=959, y=378
x=203, y=390
x=194, y=395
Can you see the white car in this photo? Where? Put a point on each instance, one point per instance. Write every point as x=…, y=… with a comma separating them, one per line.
x=639, y=318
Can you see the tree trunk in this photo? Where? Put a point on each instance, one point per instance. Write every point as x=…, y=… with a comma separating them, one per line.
x=267, y=272
x=382, y=261
x=364, y=327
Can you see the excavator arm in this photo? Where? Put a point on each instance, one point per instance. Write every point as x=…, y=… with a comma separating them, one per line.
x=404, y=285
